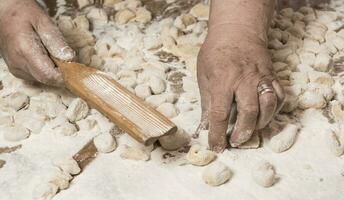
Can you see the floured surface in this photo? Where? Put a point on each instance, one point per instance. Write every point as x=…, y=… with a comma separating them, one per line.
x=307, y=170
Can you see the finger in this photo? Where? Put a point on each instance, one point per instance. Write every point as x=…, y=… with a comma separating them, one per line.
x=267, y=108
x=203, y=84
x=220, y=108
x=247, y=104
x=52, y=38
x=279, y=94
x=40, y=66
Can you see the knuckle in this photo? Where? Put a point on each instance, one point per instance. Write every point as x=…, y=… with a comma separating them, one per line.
x=250, y=110
x=220, y=115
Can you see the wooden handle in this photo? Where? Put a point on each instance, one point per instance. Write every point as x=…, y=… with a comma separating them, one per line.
x=125, y=109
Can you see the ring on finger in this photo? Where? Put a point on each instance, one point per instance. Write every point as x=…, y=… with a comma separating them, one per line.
x=264, y=88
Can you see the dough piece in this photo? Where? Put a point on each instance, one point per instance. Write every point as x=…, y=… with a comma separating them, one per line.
x=143, y=91
x=216, y=174
x=86, y=124
x=134, y=153
x=30, y=120
x=81, y=22
x=44, y=191
x=47, y=103
x=307, y=58
x=200, y=156
x=200, y=11
x=69, y=166
x=15, y=132
x=111, y=3
x=105, y=143
x=6, y=120
x=275, y=34
x=299, y=78
x=287, y=12
x=175, y=141
x=77, y=110
x=279, y=66
x=168, y=109
x=128, y=83
x=281, y=55
x=143, y=15
x=337, y=111
x=322, y=62
x=311, y=99
x=283, y=23
x=85, y=54
x=275, y=44
x=157, y=85
x=336, y=142
x=124, y=16
x=66, y=129
x=253, y=143
x=285, y=139
x=60, y=179
x=293, y=60
x=84, y=3
x=97, y=16
x=263, y=173
x=320, y=78
x=312, y=46
x=17, y=100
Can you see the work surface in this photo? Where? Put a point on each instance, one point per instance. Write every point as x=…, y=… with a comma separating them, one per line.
x=309, y=169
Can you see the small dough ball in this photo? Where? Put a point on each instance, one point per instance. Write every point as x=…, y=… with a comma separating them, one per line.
x=77, y=110
x=200, y=11
x=322, y=62
x=84, y=3
x=17, y=100
x=311, y=99
x=105, y=143
x=60, y=179
x=87, y=124
x=66, y=129
x=168, y=109
x=69, y=166
x=134, y=153
x=124, y=16
x=216, y=174
x=264, y=174
x=44, y=191
x=175, y=141
x=143, y=15
x=200, y=156
x=336, y=142
x=15, y=132
x=143, y=91
x=285, y=139
x=157, y=85
x=30, y=120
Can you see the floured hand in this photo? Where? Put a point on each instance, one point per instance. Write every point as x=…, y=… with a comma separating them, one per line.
x=27, y=37
x=231, y=65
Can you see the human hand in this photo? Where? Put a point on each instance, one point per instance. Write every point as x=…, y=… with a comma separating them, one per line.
x=27, y=37
x=231, y=66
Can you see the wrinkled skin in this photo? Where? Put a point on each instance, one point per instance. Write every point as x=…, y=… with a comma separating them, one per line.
x=27, y=37
x=229, y=70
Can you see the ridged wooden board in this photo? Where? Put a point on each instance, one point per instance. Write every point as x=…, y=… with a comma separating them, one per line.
x=125, y=109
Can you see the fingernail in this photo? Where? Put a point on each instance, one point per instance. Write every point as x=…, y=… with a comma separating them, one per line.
x=67, y=53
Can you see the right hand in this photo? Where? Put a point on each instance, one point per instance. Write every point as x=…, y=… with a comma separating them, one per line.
x=231, y=65
x=27, y=37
